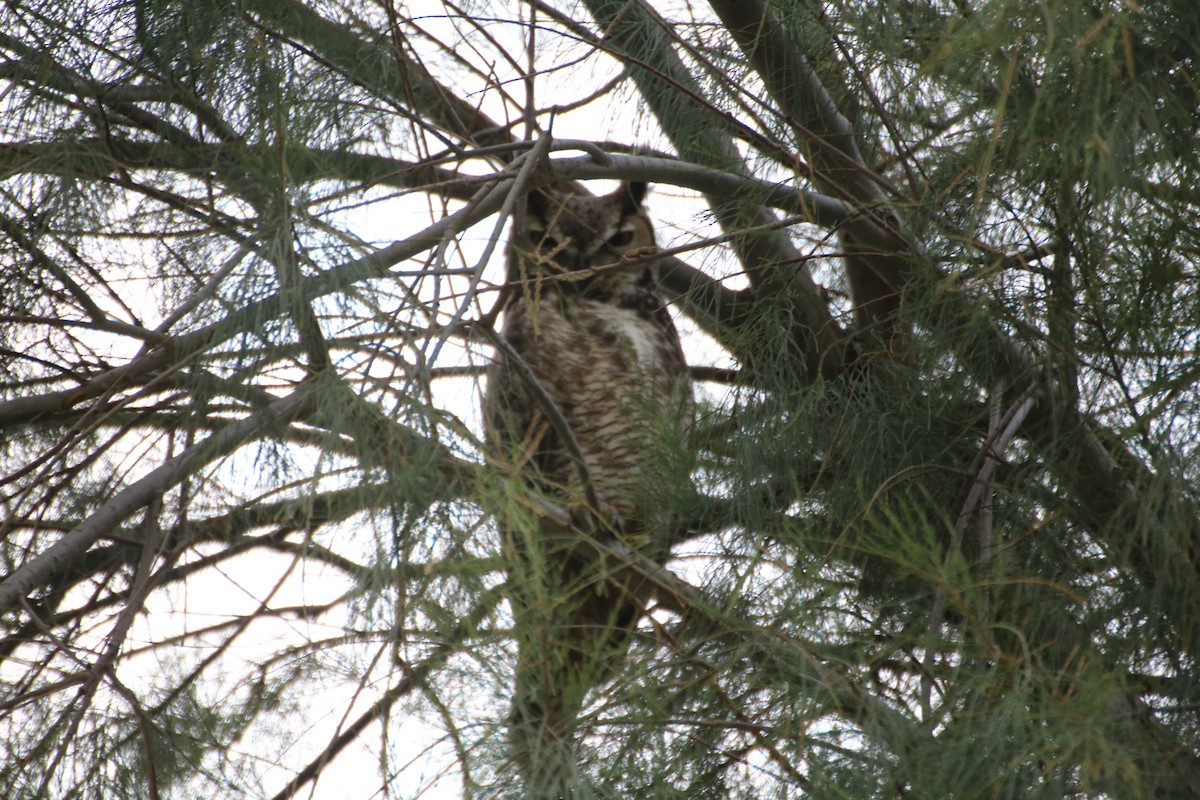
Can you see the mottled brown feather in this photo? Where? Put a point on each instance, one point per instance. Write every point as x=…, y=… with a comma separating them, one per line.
x=602, y=344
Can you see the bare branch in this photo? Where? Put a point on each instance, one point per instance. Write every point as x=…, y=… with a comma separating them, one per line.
x=59, y=556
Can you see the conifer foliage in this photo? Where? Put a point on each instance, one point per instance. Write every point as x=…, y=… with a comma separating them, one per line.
x=935, y=532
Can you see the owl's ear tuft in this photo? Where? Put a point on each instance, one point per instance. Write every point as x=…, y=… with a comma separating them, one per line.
x=631, y=194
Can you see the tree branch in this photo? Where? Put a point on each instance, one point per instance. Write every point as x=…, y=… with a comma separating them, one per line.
x=838, y=168
x=414, y=677
x=774, y=266
x=385, y=70
x=60, y=555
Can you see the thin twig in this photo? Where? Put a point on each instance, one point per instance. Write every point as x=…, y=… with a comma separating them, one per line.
x=413, y=680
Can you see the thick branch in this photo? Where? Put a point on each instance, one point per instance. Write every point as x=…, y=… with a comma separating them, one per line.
x=1105, y=496
x=101, y=158
x=775, y=268
x=838, y=167
x=67, y=550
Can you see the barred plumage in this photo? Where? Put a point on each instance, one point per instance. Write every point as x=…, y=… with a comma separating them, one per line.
x=602, y=345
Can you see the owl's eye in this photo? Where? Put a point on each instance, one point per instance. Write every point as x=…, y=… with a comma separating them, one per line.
x=621, y=239
x=547, y=244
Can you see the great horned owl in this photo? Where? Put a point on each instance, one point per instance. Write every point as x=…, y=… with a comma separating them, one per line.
x=594, y=331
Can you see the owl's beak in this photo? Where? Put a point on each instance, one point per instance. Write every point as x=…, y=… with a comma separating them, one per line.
x=577, y=262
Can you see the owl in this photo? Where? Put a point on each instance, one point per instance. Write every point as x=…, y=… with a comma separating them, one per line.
x=588, y=322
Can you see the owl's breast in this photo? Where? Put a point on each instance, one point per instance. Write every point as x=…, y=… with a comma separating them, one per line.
x=599, y=354
x=617, y=373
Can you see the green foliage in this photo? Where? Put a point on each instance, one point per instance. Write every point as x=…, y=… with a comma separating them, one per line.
x=251, y=526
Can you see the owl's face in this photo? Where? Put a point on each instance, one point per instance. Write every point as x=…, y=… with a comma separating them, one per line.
x=568, y=232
